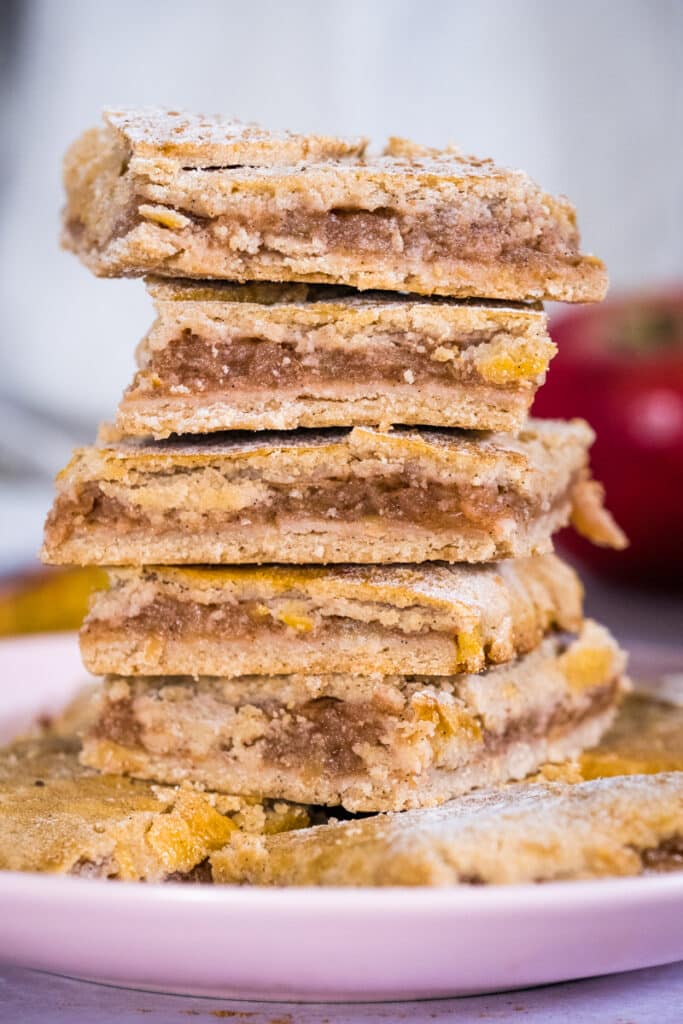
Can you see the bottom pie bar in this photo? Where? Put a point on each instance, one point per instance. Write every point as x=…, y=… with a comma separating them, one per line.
x=537, y=832
x=367, y=743
x=58, y=816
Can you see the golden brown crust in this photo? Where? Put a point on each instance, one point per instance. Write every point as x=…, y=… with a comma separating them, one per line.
x=527, y=459
x=56, y=815
x=430, y=619
x=143, y=197
x=592, y=520
x=339, y=302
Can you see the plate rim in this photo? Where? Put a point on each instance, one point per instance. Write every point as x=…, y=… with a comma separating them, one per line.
x=547, y=917
x=600, y=893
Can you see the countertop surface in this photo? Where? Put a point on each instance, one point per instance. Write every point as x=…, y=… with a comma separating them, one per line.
x=640, y=997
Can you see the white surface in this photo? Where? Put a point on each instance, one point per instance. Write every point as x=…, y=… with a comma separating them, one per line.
x=316, y=944
x=585, y=96
x=23, y=507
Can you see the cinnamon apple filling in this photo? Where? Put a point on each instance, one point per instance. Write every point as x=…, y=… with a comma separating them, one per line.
x=326, y=736
x=396, y=497
x=324, y=733
x=197, y=364
x=485, y=228
x=182, y=620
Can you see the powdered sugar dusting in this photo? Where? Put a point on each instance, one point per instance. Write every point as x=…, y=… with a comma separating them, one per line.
x=204, y=140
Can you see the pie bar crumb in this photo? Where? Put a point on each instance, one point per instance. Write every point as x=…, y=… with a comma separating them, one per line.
x=368, y=744
x=537, y=832
x=222, y=356
x=59, y=816
x=234, y=621
x=181, y=195
x=316, y=497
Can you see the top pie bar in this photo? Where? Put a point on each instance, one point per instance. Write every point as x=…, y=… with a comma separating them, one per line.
x=205, y=197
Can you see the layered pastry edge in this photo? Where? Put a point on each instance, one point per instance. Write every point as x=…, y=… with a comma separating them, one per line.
x=328, y=496
x=414, y=219
x=242, y=357
x=429, y=619
x=368, y=744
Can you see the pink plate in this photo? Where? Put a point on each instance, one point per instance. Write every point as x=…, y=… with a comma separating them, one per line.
x=313, y=944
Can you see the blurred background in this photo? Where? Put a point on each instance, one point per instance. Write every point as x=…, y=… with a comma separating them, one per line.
x=587, y=97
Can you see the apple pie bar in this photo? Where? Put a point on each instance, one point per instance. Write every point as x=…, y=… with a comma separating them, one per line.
x=368, y=743
x=538, y=832
x=243, y=620
x=58, y=816
x=327, y=496
x=224, y=356
x=182, y=195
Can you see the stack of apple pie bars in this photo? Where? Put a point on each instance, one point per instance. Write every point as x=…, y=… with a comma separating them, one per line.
x=326, y=514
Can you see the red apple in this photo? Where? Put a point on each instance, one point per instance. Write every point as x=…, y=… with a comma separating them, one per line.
x=620, y=366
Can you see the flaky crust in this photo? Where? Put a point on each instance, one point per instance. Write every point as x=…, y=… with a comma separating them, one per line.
x=370, y=744
x=145, y=194
x=429, y=619
x=527, y=459
x=468, y=406
x=57, y=816
x=282, y=301
x=522, y=833
x=213, y=140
